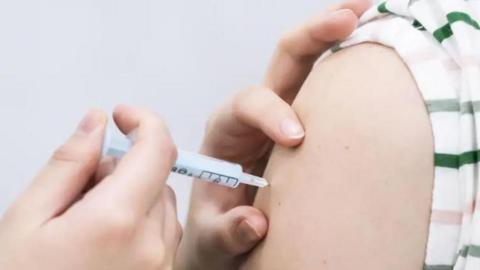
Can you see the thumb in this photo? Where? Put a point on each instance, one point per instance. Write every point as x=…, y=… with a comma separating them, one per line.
x=237, y=231
x=62, y=180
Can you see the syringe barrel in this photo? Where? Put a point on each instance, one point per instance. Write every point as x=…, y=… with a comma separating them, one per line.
x=208, y=169
x=190, y=164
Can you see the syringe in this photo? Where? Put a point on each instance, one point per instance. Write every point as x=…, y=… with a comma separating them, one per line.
x=191, y=164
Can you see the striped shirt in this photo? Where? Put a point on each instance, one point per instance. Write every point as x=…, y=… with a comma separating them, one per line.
x=439, y=41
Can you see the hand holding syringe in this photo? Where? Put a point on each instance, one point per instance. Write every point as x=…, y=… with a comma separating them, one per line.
x=191, y=164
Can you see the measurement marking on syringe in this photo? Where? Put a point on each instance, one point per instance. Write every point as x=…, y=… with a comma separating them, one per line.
x=218, y=178
x=191, y=164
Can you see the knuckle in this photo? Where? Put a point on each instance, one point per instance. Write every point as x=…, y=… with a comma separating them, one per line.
x=237, y=104
x=289, y=44
x=168, y=152
x=286, y=40
x=154, y=117
x=161, y=138
x=116, y=225
x=65, y=153
x=153, y=257
x=225, y=242
x=121, y=223
x=158, y=122
x=12, y=213
x=171, y=151
x=210, y=124
x=178, y=232
x=215, y=116
x=240, y=102
x=220, y=237
x=153, y=121
x=171, y=195
x=147, y=113
x=74, y=154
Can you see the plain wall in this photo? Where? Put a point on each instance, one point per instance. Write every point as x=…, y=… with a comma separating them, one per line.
x=180, y=58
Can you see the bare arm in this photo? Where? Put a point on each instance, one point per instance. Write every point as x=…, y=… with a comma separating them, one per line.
x=223, y=226
x=356, y=194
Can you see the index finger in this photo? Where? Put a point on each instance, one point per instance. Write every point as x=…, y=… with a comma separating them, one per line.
x=299, y=49
x=140, y=175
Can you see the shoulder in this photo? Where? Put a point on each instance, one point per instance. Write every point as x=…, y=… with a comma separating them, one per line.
x=368, y=130
x=364, y=171
x=371, y=90
x=364, y=115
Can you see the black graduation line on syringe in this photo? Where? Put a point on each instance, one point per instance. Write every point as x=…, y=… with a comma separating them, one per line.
x=217, y=179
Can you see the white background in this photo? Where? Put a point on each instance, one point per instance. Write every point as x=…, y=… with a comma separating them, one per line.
x=181, y=58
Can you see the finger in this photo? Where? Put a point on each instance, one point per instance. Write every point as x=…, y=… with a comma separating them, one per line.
x=357, y=6
x=65, y=176
x=172, y=231
x=235, y=232
x=105, y=168
x=261, y=108
x=163, y=221
x=299, y=49
x=141, y=174
x=157, y=212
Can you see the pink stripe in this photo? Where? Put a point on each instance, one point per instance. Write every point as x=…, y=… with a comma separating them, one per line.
x=469, y=60
x=426, y=54
x=450, y=64
x=420, y=56
x=446, y=217
x=375, y=32
x=470, y=208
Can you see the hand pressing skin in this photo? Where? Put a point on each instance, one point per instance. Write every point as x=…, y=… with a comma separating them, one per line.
x=127, y=220
x=223, y=226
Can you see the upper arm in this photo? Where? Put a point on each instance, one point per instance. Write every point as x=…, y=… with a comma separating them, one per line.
x=356, y=194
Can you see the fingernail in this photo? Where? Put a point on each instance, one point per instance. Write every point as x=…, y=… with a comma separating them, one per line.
x=339, y=12
x=247, y=233
x=89, y=122
x=292, y=128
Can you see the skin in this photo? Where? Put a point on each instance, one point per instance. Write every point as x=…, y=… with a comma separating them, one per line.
x=357, y=193
x=222, y=226
x=223, y=240
x=77, y=214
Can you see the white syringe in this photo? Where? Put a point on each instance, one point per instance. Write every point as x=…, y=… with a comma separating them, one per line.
x=191, y=164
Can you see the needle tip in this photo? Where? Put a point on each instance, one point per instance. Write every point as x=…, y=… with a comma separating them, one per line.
x=253, y=180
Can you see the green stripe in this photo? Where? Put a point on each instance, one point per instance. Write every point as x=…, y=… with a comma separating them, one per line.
x=336, y=48
x=456, y=16
x=470, y=107
x=418, y=25
x=463, y=252
x=456, y=161
x=382, y=8
x=446, y=161
x=469, y=157
x=472, y=251
x=443, y=105
x=445, y=31
x=438, y=267
x=452, y=105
